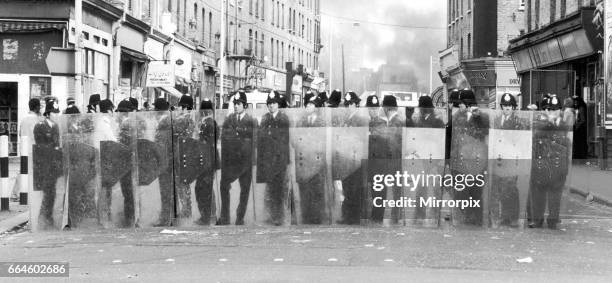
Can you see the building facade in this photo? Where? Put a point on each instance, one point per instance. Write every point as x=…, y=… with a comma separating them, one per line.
x=477, y=38
x=562, y=53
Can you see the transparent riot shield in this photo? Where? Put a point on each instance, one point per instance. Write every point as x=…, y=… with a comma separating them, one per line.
x=310, y=183
x=112, y=137
x=194, y=160
x=550, y=169
x=469, y=166
x=49, y=183
x=423, y=148
x=349, y=148
x=151, y=140
x=510, y=138
x=273, y=184
x=234, y=182
x=81, y=165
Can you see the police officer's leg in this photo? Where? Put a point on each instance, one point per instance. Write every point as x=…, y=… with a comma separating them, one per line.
x=317, y=205
x=128, y=199
x=276, y=191
x=496, y=203
x=224, y=189
x=203, y=193
x=510, y=202
x=245, y=188
x=378, y=213
x=306, y=199
x=48, y=201
x=553, y=198
x=475, y=212
x=183, y=193
x=536, y=204
x=166, y=191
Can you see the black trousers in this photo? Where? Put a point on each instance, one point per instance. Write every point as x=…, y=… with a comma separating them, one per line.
x=275, y=196
x=127, y=189
x=541, y=195
x=203, y=194
x=312, y=199
x=48, y=201
x=353, y=188
x=505, y=198
x=227, y=178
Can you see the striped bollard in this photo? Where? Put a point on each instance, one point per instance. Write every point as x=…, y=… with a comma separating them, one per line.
x=23, y=173
x=6, y=193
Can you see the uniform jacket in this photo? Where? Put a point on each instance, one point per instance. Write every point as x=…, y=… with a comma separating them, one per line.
x=386, y=138
x=46, y=132
x=209, y=135
x=47, y=157
x=272, y=146
x=428, y=120
x=551, y=152
x=309, y=141
x=511, y=122
x=469, y=151
x=237, y=143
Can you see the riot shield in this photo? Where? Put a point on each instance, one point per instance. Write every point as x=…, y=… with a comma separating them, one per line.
x=81, y=162
x=194, y=157
x=509, y=166
x=151, y=140
x=112, y=135
x=272, y=186
x=49, y=184
x=234, y=182
x=310, y=185
x=384, y=159
x=469, y=166
x=550, y=169
x=423, y=149
x=349, y=148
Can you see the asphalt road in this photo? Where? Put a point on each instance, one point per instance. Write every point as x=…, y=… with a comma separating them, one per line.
x=580, y=251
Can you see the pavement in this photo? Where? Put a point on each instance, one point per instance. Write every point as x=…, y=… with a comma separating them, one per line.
x=590, y=182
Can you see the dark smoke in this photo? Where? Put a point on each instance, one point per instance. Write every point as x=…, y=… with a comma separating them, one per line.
x=411, y=47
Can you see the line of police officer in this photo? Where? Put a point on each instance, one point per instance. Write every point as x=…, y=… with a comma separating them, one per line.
x=237, y=140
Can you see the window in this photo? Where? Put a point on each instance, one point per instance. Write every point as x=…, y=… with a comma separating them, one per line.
x=469, y=46
x=283, y=16
x=251, y=7
x=203, y=25
x=277, y=54
x=178, y=13
x=553, y=8
x=195, y=17
x=521, y=5
x=256, y=44
x=273, y=14
x=272, y=51
x=251, y=40
x=282, y=53
x=537, y=14
x=210, y=21
x=263, y=10
x=256, y=8
x=563, y=9
x=263, y=53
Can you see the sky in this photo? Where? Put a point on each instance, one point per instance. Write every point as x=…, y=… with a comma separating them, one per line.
x=371, y=45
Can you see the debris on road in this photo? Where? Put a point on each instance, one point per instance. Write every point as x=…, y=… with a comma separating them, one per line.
x=525, y=260
x=173, y=232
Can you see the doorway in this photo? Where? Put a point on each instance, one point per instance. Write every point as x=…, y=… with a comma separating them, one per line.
x=8, y=114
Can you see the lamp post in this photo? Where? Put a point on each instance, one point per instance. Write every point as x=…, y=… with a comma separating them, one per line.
x=331, y=52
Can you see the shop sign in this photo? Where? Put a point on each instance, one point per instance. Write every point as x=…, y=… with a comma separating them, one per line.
x=160, y=74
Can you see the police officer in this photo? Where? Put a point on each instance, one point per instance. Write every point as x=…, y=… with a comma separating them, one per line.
x=94, y=102
x=551, y=155
x=204, y=184
x=386, y=146
x=470, y=122
x=236, y=157
x=126, y=137
x=427, y=117
x=505, y=191
x=183, y=126
x=164, y=138
x=71, y=107
x=334, y=99
x=273, y=156
x=311, y=182
x=47, y=160
x=352, y=185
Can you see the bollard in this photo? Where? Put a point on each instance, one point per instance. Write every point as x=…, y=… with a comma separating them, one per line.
x=5, y=191
x=23, y=173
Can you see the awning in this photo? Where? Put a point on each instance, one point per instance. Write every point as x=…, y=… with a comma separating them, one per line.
x=26, y=27
x=182, y=81
x=132, y=55
x=172, y=91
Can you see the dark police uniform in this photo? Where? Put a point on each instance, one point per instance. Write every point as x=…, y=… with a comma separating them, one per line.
x=505, y=189
x=47, y=165
x=126, y=137
x=236, y=162
x=353, y=186
x=272, y=161
x=208, y=135
x=182, y=127
x=551, y=153
x=312, y=186
x=475, y=127
x=385, y=156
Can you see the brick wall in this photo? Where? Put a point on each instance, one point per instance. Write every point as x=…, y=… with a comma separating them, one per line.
x=509, y=22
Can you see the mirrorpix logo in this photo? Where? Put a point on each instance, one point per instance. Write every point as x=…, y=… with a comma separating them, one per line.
x=400, y=180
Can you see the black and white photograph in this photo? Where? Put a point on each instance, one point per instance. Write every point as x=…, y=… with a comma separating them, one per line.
x=306, y=140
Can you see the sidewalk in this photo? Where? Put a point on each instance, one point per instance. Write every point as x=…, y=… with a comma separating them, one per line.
x=589, y=179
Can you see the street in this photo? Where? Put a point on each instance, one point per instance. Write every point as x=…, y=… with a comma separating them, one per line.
x=579, y=251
